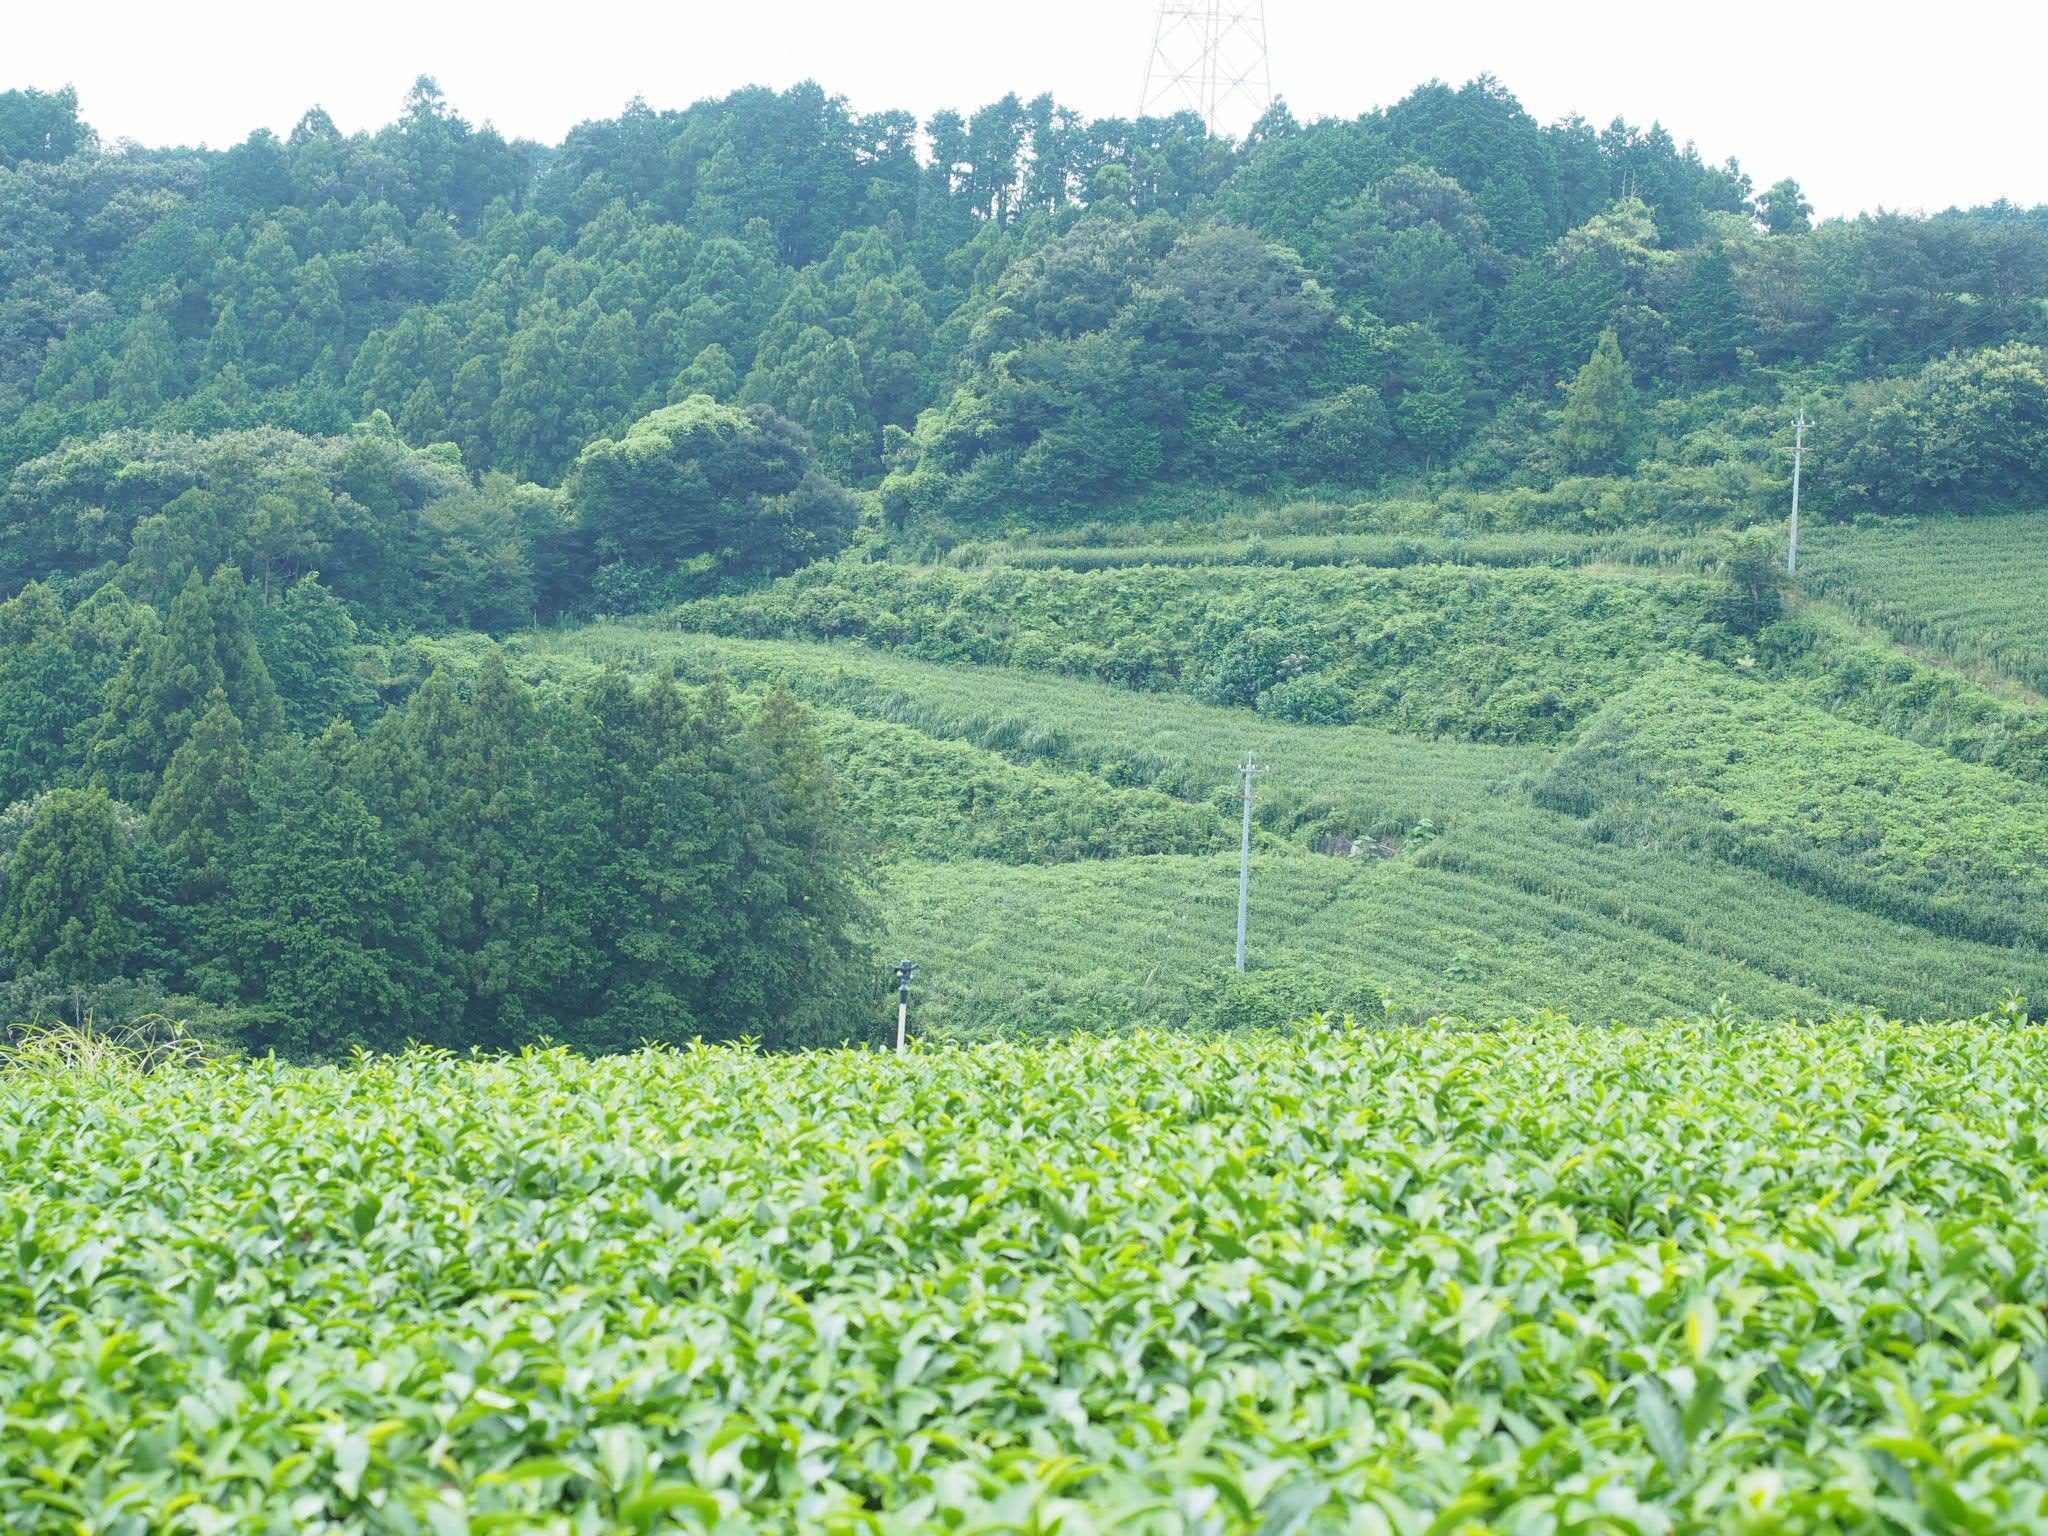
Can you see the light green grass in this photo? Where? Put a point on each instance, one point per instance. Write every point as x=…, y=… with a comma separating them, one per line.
x=1481, y=923
x=1735, y=922
x=1747, y=771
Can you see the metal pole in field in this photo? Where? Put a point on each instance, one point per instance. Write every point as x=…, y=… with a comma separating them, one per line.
x=1244, y=859
x=904, y=971
x=1798, y=454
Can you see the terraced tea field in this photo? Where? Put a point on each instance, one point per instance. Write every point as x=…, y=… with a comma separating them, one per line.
x=1464, y=897
x=1972, y=589
x=1376, y=780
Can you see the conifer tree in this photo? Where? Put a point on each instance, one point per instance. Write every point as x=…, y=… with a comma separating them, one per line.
x=664, y=890
x=805, y=980
x=711, y=373
x=52, y=678
x=1784, y=210
x=1708, y=315
x=308, y=640
x=205, y=787
x=816, y=382
x=226, y=346
x=461, y=782
x=66, y=902
x=1431, y=410
x=421, y=420
x=145, y=373
x=317, y=937
x=160, y=694
x=1597, y=429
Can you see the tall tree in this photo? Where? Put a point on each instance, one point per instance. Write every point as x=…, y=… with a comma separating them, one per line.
x=162, y=691
x=309, y=643
x=463, y=781
x=1784, y=210
x=804, y=902
x=205, y=788
x=317, y=939
x=1598, y=427
x=54, y=669
x=41, y=127
x=66, y=906
x=145, y=373
x=1708, y=317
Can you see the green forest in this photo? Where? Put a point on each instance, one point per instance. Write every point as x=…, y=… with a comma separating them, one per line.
x=478, y=592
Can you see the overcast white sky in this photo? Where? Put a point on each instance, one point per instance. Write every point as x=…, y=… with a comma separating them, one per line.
x=1871, y=104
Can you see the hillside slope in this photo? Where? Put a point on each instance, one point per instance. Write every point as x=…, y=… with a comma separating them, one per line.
x=1797, y=822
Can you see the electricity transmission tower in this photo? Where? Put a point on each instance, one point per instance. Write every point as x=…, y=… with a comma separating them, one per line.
x=1208, y=57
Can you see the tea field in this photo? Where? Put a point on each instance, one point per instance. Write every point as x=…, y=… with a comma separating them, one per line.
x=1362, y=778
x=1972, y=589
x=1529, y=1278
x=1060, y=853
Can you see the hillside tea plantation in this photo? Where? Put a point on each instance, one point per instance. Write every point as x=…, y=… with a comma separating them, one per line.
x=1534, y=1278
x=1969, y=590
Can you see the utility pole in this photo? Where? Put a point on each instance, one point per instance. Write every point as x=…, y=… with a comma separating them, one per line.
x=1244, y=858
x=904, y=971
x=1798, y=455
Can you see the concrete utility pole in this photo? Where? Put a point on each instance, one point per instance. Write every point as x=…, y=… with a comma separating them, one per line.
x=904, y=971
x=1798, y=455
x=1244, y=858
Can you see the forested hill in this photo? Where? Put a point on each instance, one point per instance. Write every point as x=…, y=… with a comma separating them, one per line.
x=1038, y=317
x=280, y=423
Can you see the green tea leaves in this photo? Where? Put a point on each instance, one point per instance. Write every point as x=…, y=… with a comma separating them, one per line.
x=1528, y=1277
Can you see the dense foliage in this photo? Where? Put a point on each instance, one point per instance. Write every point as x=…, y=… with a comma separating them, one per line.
x=1963, y=433
x=1744, y=768
x=1014, y=312
x=483, y=867
x=1436, y=650
x=279, y=422
x=1682, y=1279
x=1001, y=481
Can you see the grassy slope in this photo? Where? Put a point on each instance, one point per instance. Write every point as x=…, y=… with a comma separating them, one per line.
x=1746, y=770
x=1374, y=781
x=1508, y=907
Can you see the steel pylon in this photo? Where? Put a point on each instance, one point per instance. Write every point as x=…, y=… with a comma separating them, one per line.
x=1208, y=57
